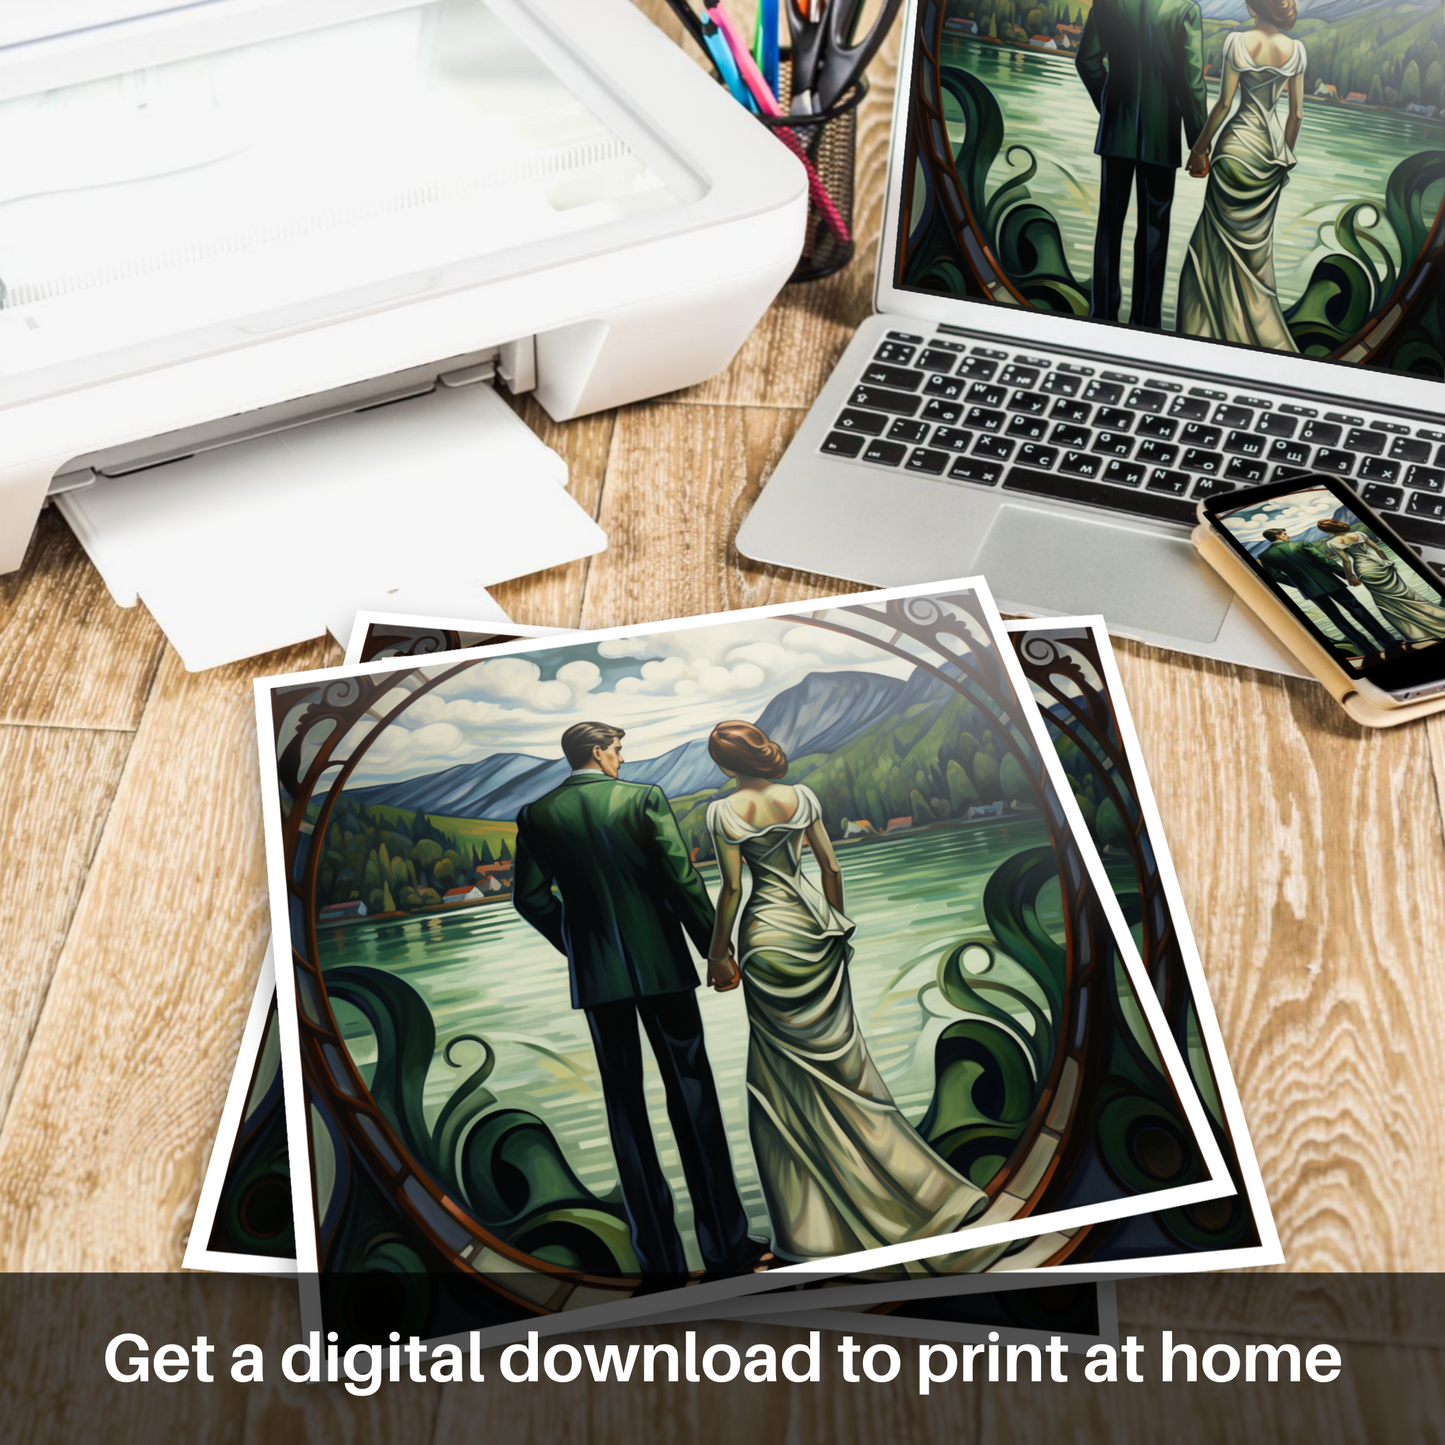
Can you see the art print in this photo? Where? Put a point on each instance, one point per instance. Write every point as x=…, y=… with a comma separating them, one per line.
x=559, y=1227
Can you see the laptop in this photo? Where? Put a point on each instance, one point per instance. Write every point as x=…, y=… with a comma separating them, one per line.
x=1043, y=395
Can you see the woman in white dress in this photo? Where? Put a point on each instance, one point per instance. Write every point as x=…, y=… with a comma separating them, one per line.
x=841, y=1168
x=1227, y=284
x=1368, y=564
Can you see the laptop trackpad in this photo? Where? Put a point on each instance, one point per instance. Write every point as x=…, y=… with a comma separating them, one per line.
x=1065, y=565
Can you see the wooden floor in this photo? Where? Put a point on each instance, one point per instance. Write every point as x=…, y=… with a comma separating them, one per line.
x=133, y=906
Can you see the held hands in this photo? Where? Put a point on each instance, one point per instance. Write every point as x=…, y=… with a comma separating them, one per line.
x=723, y=974
x=1198, y=164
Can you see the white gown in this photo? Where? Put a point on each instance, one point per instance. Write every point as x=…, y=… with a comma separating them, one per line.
x=841, y=1168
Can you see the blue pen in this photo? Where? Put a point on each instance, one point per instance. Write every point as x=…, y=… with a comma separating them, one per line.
x=767, y=56
x=727, y=67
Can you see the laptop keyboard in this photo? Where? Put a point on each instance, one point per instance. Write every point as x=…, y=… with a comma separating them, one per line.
x=1140, y=444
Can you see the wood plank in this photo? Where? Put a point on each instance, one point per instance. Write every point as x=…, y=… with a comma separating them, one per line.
x=1382, y=1393
x=56, y=787
x=69, y=657
x=554, y=598
x=115, y=1108
x=1314, y=874
x=679, y=483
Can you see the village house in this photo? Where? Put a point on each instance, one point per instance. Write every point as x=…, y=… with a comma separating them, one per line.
x=1042, y=42
x=897, y=825
x=956, y=25
x=1325, y=89
x=467, y=893
x=1356, y=97
x=335, y=912
x=500, y=873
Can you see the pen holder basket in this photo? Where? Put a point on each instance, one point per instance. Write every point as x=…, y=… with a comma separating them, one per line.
x=827, y=145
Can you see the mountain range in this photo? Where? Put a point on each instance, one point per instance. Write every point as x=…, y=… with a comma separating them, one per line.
x=822, y=714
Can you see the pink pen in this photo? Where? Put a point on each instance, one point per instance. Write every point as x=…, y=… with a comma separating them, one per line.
x=768, y=105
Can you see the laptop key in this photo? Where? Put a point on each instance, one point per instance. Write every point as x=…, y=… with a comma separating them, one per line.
x=1367, y=443
x=1124, y=474
x=1196, y=459
x=1195, y=435
x=996, y=448
x=885, y=454
x=1112, y=444
x=981, y=419
x=1233, y=416
x=843, y=444
x=1034, y=403
x=905, y=336
x=1189, y=408
x=1378, y=469
x=926, y=460
x=1246, y=469
x=1044, y=458
x=1015, y=375
x=1440, y=457
x=953, y=438
x=1060, y=383
x=970, y=469
x=878, y=398
x=1070, y=488
x=877, y=374
x=947, y=412
x=1156, y=454
x=1074, y=411
x=1288, y=453
x=1031, y=428
x=1143, y=398
x=1331, y=459
x=895, y=353
x=933, y=359
x=978, y=367
x=1244, y=444
x=948, y=387
x=1070, y=436
x=1321, y=433
x=982, y=394
x=1161, y=479
x=1107, y=392
x=1211, y=487
x=1081, y=464
x=1423, y=505
x=867, y=422
x=1425, y=479
x=1111, y=418
x=905, y=429
x=1272, y=424
x=1407, y=449
x=1160, y=427
x=1382, y=499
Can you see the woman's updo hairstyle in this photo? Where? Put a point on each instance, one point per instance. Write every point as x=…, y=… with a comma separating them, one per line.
x=1282, y=14
x=742, y=748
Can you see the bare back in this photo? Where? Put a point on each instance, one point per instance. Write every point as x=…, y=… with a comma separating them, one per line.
x=1268, y=48
x=764, y=806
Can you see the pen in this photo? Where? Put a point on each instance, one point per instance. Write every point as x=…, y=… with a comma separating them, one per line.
x=714, y=45
x=765, y=42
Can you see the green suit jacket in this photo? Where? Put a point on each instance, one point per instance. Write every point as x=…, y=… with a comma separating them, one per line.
x=1305, y=566
x=1152, y=87
x=628, y=888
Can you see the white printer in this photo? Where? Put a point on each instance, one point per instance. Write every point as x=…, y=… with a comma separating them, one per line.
x=221, y=221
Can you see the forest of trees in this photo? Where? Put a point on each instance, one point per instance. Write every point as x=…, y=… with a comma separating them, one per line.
x=1015, y=23
x=394, y=861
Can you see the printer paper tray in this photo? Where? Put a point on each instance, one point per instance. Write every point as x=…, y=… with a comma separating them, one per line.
x=416, y=507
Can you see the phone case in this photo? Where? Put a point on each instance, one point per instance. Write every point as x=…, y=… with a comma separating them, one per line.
x=1363, y=701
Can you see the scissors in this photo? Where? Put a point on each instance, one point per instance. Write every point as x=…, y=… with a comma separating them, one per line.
x=827, y=55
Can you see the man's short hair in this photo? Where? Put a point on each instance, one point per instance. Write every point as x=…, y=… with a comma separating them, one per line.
x=1275, y=532
x=579, y=740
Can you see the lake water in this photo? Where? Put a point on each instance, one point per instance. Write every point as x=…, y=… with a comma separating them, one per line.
x=483, y=970
x=1345, y=154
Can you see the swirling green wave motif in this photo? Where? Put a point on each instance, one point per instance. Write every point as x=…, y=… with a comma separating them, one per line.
x=504, y=1164
x=1356, y=280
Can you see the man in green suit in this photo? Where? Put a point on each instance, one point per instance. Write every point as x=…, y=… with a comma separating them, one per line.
x=628, y=895
x=1143, y=64
x=1315, y=574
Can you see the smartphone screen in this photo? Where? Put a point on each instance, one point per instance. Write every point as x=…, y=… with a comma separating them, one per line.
x=1346, y=574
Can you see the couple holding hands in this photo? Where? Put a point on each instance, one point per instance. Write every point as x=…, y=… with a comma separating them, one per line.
x=603, y=873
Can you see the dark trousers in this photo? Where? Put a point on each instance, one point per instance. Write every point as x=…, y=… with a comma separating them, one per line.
x=1154, y=188
x=1364, y=626
x=674, y=1028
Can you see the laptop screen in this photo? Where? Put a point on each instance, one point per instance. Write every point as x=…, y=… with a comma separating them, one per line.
x=1239, y=171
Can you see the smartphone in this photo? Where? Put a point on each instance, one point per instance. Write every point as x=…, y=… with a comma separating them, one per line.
x=1338, y=567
